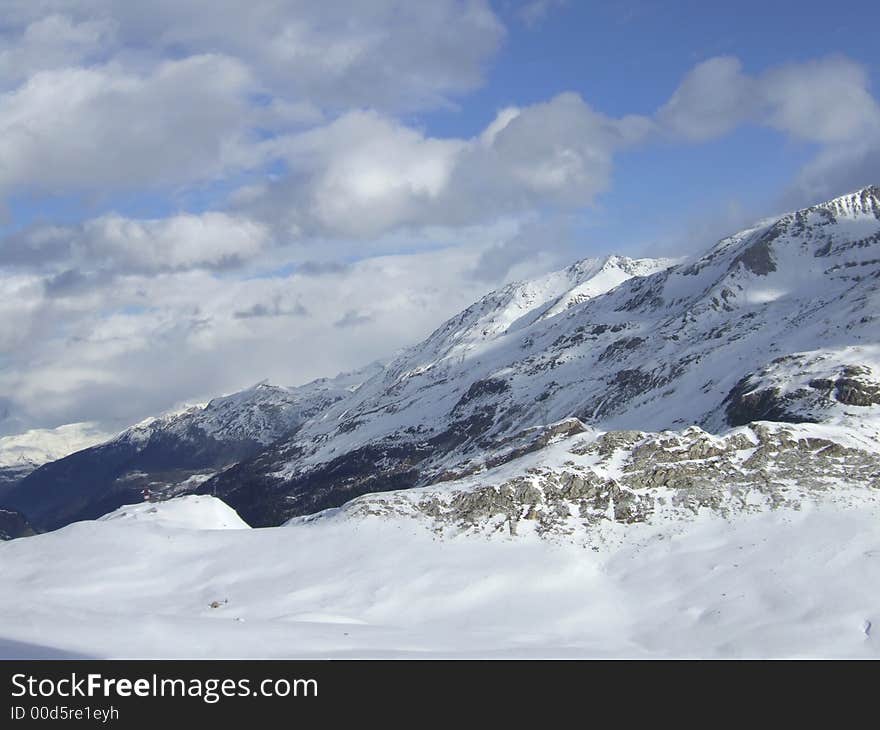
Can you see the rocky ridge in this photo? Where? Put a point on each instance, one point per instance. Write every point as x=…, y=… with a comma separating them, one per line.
x=585, y=483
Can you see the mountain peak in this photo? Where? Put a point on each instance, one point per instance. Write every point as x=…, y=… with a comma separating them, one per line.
x=865, y=201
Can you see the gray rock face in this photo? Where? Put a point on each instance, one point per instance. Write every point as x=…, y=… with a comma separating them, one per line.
x=630, y=476
x=856, y=387
x=758, y=258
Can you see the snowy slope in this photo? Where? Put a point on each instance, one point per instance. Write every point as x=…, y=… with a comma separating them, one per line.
x=780, y=583
x=516, y=306
x=190, y=513
x=775, y=322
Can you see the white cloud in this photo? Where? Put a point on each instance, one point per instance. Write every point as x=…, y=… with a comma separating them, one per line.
x=391, y=54
x=365, y=174
x=79, y=128
x=712, y=99
x=826, y=100
x=559, y=151
x=113, y=244
x=20, y=310
x=210, y=240
x=135, y=122
x=91, y=104
x=53, y=41
x=137, y=344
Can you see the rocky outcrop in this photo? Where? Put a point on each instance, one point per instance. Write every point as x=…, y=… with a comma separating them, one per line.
x=629, y=477
x=855, y=387
x=786, y=391
x=373, y=468
x=746, y=403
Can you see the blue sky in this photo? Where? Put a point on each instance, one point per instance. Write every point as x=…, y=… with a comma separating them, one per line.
x=169, y=170
x=626, y=57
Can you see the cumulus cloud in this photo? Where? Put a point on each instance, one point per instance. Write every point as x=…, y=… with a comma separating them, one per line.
x=391, y=54
x=559, y=151
x=53, y=41
x=826, y=100
x=712, y=99
x=365, y=174
x=104, y=96
x=92, y=128
x=211, y=240
x=537, y=245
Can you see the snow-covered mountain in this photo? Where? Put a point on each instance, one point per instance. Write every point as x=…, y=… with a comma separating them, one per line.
x=22, y=453
x=656, y=459
x=775, y=322
x=178, y=452
x=174, y=452
x=42, y=445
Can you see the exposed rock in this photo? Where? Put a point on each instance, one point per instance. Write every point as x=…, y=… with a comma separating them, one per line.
x=855, y=388
x=481, y=388
x=757, y=258
x=676, y=473
x=746, y=403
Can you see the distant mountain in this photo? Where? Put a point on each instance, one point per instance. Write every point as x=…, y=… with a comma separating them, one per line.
x=777, y=322
x=173, y=453
x=22, y=453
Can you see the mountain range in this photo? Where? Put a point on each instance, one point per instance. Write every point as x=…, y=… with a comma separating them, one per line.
x=766, y=344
